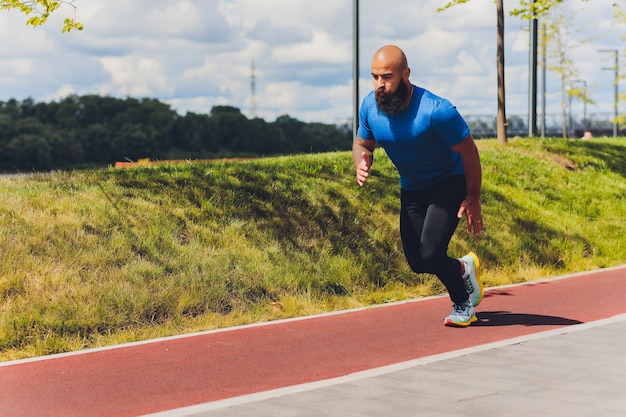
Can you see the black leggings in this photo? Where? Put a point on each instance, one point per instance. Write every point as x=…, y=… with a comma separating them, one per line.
x=428, y=219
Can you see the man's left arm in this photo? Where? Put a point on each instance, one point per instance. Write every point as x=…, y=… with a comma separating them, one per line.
x=470, y=207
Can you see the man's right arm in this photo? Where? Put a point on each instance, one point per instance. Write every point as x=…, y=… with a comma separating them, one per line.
x=363, y=156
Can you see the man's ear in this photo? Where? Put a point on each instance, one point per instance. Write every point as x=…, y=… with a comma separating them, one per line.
x=406, y=73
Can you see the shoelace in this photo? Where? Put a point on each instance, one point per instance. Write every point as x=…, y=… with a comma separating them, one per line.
x=468, y=285
x=460, y=309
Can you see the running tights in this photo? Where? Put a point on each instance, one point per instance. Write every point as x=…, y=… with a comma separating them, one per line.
x=428, y=219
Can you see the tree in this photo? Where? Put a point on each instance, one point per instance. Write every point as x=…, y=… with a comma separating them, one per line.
x=292, y=131
x=96, y=141
x=132, y=143
x=195, y=133
x=30, y=148
x=529, y=9
x=91, y=131
x=534, y=8
x=557, y=34
x=231, y=128
x=41, y=9
x=501, y=125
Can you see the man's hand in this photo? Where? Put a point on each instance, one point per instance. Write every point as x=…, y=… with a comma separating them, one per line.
x=363, y=168
x=472, y=210
x=470, y=207
x=363, y=157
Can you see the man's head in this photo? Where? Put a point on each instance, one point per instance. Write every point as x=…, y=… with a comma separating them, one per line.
x=390, y=75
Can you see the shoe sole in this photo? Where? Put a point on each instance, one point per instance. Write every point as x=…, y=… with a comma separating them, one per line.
x=451, y=323
x=481, y=288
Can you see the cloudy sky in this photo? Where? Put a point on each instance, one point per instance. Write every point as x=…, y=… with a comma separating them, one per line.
x=197, y=54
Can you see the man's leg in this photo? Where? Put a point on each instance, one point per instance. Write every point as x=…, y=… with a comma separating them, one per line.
x=436, y=236
x=413, y=205
x=428, y=220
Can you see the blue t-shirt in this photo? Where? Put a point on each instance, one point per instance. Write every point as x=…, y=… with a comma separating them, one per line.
x=418, y=139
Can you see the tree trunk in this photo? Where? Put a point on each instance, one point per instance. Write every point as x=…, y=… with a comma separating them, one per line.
x=501, y=118
x=563, y=105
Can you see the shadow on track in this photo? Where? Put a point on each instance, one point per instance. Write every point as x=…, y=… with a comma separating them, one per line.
x=506, y=318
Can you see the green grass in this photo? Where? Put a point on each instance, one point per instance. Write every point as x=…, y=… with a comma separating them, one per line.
x=93, y=258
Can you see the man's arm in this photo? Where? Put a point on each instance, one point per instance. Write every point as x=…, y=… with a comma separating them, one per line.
x=363, y=156
x=471, y=207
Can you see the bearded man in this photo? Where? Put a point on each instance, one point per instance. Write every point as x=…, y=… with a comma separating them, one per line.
x=434, y=152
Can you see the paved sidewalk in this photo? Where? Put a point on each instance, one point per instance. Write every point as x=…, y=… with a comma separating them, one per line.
x=576, y=371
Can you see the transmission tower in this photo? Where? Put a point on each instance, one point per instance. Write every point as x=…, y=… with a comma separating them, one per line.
x=253, y=90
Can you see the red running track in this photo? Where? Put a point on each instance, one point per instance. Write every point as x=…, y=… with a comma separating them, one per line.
x=164, y=374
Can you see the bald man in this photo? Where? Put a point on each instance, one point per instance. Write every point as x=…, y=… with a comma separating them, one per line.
x=440, y=175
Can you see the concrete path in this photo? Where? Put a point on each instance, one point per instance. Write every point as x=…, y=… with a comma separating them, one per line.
x=579, y=371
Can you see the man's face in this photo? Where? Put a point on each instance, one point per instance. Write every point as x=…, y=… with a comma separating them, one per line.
x=390, y=87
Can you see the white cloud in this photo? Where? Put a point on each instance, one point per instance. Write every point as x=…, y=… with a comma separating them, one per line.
x=20, y=67
x=135, y=77
x=194, y=55
x=321, y=49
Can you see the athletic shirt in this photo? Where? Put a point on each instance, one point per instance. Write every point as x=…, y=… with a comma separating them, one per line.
x=418, y=139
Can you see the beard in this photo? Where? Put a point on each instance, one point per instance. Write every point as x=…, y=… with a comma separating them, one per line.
x=392, y=103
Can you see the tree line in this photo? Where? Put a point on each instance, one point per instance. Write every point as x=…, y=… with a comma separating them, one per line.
x=91, y=131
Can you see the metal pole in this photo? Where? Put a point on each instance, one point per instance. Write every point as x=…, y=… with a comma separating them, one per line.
x=570, y=127
x=532, y=91
x=616, y=93
x=543, y=82
x=616, y=102
x=355, y=66
x=585, y=104
x=583, y=97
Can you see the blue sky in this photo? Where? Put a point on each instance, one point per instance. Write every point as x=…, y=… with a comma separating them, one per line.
x=195, y=55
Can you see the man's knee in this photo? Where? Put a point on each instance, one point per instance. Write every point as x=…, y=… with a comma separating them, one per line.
x=416, y=264
x=433, y=261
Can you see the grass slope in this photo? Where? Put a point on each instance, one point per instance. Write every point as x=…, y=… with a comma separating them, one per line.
x=92, y=258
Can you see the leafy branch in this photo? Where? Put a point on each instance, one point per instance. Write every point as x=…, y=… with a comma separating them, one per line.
x=527, y=8
x=41, y=9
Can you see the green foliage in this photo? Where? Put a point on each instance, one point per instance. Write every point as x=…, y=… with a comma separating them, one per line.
x=527, y=9
x=106, y=256
x=42, y=9
x=452, y=3
x=533, y=8
x=556, y=37
x=98, y=131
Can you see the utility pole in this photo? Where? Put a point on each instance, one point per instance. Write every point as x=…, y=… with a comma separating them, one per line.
x=355, y=67
x=544, y=47
x=616, y=82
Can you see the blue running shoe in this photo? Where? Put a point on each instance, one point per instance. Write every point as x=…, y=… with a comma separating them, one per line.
x=471, y=279
x=462, y=315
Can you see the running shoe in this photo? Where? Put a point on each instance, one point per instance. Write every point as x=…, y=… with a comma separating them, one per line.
x=462, y=315
x=471, y=279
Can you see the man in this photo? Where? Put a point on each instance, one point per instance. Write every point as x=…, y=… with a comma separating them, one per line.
x=440, y=175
